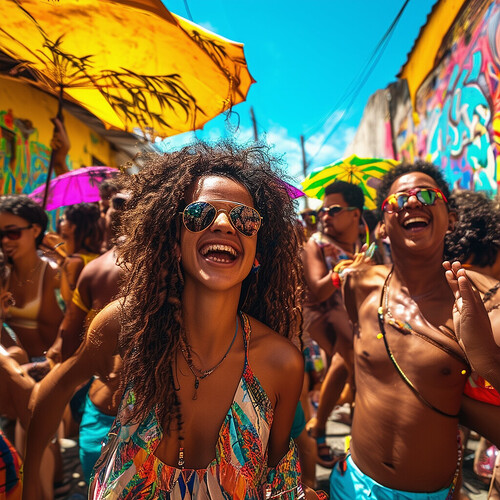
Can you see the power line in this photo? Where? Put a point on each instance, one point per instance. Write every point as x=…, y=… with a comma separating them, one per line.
x=356, y=84
x=188, y=11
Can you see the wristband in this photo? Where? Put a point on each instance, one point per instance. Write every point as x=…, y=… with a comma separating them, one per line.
x=336, y=280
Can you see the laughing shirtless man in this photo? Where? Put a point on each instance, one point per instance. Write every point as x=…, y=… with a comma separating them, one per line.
x=410, y=371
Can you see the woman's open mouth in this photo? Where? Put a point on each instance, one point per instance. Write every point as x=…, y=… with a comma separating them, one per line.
x=219, y=253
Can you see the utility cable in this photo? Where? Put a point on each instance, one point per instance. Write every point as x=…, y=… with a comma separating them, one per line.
x=186, y=6
x=350, y=90
x=356, y=85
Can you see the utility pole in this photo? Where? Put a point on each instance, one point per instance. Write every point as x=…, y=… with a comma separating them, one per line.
x=255, y=132
x=304, y=164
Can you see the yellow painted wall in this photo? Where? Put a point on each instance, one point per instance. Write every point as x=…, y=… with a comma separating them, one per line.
x=19, y=101
x=422, y=58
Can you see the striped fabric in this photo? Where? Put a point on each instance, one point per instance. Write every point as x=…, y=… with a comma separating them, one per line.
x=365, y=172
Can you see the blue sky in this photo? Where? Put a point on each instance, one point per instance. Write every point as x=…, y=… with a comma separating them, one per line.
x=304, y=57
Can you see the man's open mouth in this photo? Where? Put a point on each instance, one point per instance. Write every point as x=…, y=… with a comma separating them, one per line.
x=415, y=223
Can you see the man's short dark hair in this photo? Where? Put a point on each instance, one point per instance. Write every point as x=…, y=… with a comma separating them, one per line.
x=352, y=193
x=406, y=168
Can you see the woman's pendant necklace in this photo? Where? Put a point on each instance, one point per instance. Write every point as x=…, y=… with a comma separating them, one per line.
x=196, y=385
x=198, y=373
x=28, y=281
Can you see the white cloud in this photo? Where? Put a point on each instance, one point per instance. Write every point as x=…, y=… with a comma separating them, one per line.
x=208, y=26
x=283, y=143
x=331, y=151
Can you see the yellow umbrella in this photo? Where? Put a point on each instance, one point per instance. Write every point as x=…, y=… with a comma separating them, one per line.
x=131, y=63
x=365, y=172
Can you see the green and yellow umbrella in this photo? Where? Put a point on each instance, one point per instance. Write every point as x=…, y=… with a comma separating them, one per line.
x=365, y=172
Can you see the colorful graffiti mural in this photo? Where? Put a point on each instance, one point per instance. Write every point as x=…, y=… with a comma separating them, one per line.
x=456, y=123
x=23, y=159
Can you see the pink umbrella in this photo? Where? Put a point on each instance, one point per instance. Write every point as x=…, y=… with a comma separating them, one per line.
x=78, y=186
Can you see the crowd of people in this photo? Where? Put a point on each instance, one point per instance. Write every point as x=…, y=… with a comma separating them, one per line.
x=195, y=333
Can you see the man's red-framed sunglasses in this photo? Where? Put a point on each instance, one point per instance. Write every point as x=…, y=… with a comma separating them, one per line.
x=427, y=196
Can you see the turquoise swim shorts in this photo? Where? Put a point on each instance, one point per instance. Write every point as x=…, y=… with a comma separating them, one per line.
x=354, y=484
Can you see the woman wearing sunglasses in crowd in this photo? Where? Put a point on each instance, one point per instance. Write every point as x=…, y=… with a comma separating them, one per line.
x=211, y=380
x=35, y=316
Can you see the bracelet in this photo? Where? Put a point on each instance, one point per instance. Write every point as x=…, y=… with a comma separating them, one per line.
x=336, y=280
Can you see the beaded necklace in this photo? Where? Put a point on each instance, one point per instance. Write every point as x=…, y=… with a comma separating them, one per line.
x=489, y=294
x=409, y=329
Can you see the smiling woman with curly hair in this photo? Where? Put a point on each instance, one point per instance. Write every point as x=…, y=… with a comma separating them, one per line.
x=212, y=299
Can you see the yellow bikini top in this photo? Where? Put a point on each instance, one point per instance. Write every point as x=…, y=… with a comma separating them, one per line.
x=27, y=316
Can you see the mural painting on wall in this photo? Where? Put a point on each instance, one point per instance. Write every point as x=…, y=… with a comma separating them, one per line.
x=457, y=120
x=23, y=159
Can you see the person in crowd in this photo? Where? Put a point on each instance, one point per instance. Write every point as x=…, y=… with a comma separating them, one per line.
x=309, y=221
x=15, y=391
x=475, y=242
x=410, y=370
x=94, y=406
x=325, y=317
x=210, y=392
x=82, y=238
x=34, y=316
x=108, y=191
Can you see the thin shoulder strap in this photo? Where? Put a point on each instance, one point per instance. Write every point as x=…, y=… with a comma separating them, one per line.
x=247, y=330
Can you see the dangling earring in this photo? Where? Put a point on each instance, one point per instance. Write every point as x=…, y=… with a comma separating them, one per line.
x=255, y=266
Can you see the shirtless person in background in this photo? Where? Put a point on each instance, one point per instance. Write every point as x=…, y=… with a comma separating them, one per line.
x=97, y=286
x=410, y=370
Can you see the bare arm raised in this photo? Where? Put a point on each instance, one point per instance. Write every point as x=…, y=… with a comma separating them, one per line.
x=51, y=395
x=472, y=325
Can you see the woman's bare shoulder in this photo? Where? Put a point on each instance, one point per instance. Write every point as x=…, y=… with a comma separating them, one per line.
x=52, y=275
x=270, y=347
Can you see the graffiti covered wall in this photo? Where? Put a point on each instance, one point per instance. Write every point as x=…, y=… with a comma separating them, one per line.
x=25, y=134
x=456, y=123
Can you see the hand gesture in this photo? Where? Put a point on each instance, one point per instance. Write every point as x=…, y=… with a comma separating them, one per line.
x=60, y=146
x=471, y=321
x=360, y=260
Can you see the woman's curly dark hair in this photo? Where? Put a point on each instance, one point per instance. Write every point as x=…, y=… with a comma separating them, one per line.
x=476, y=237
x=406, y=168
x=24, y=207
x=85, y=217
x=152, y=321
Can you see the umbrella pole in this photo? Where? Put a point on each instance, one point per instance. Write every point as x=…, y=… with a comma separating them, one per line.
x=52, y=154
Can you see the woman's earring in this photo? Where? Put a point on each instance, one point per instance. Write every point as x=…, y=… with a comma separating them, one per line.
x=255, y=266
